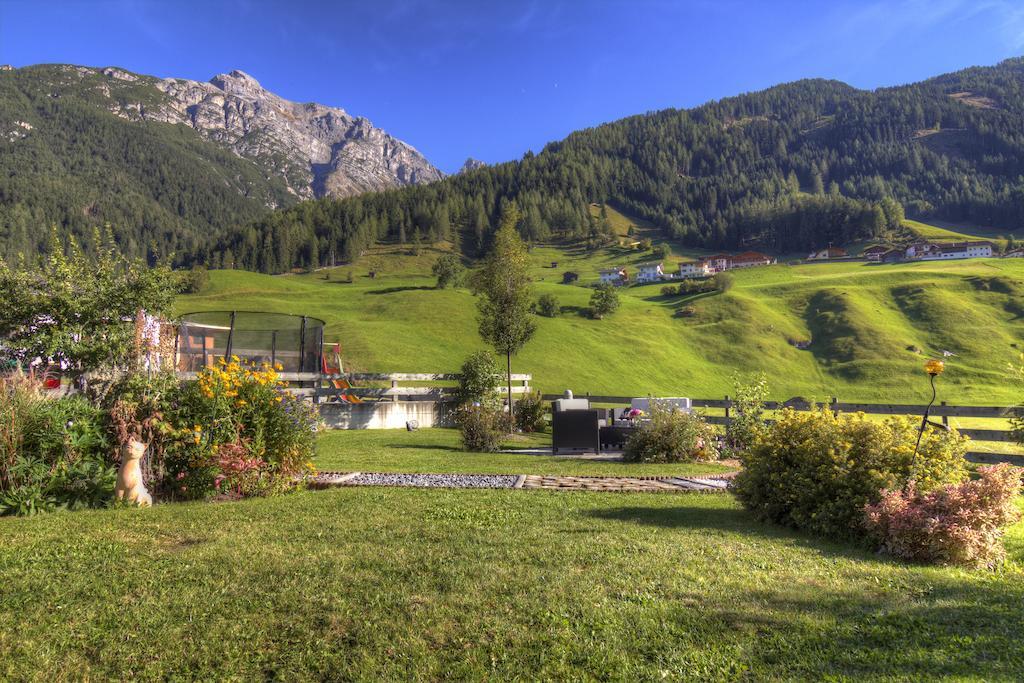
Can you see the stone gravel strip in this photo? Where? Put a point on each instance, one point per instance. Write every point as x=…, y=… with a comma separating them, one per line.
x=705, y=484
x=323, y=480
x=444, y=481
x=626, y=484
x=699, y=484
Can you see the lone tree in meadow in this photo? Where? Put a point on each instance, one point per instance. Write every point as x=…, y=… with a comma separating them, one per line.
x=503, y=286
x=448, y=270
x=604, y=301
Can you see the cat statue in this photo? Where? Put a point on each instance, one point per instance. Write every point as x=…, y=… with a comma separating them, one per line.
x=129, y=478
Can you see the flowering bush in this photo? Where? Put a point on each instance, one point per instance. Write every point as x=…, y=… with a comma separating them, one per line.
x=815, y=471
x=671, y=436
x=234, y=430
x=960, y=524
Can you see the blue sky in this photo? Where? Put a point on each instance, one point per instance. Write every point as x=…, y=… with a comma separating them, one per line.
x=494, y=79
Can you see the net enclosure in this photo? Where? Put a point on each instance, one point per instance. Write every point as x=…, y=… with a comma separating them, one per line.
x=293, y=341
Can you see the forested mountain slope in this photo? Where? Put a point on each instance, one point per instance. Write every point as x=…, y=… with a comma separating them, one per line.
x=171, y=163
x=790, y=168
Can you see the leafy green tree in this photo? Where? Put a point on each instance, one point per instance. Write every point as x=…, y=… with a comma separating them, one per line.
x=604, y=301
x=196, y=280
x=79, y=311
x=547, y=306
x=479, y=379
x=663, y=251
x=503, y=286
x=448, y=270
x=723, y=282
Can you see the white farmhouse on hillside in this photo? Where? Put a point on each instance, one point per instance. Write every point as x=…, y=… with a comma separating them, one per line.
x=689, y=269
x=649, y=271
x=749, y=259
x=614, y=276
x=874, y=253
x=956, y=250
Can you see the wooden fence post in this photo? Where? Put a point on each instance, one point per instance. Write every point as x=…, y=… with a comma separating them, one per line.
x=394, y=385
x=727, y=404
x=835, y=409
x=945, y=418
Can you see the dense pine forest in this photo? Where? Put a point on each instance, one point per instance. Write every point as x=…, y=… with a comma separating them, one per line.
x=790, y=168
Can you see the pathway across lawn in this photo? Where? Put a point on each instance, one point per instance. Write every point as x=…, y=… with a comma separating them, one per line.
x=706, y=484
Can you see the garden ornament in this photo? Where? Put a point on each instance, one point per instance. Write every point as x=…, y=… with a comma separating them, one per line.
x=934, y=368
x=129, y=478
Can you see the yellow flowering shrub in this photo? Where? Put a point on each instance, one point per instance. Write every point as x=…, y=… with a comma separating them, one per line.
x=814, y=471
x=237, y=431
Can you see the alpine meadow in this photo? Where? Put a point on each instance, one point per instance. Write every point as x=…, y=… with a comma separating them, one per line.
x=434, y=340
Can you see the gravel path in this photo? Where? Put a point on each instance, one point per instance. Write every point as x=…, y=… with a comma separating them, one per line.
x=445, y=481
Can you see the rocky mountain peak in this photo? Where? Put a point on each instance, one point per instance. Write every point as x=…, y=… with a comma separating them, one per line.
x=238, y=82
x=317, y=149
x=471, y=164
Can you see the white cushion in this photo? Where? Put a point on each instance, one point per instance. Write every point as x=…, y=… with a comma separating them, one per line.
x=571, y=404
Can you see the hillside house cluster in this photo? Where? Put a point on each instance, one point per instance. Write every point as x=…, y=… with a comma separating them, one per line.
x=614, y=276
x=930, y=251
x=709, y=265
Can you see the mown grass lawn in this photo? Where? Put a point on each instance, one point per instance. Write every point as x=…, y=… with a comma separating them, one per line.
x=437, y=451
x=384, y=584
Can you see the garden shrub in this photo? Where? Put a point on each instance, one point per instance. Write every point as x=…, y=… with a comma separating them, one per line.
x=671, y=435
x=816, y=471
x=481, y=427
x=960, y=524
x=746, y=424
x=54, y=452
x=529, y=413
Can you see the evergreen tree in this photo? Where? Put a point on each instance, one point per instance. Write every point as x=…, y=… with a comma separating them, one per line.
x=503, y=287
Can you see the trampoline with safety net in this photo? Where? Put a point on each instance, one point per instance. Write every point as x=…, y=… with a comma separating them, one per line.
x=294, y=342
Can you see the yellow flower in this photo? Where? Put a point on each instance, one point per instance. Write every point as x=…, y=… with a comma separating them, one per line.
x=197, y=428
x=235, y=358
x=934, y=367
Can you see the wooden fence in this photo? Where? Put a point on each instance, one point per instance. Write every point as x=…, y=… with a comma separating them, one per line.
x=391, y=386
x=939, y=410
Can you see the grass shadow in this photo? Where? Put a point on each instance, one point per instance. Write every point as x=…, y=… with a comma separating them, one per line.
x=395, y=290
x=582, y=311
x=731, y=520
x=425, y=447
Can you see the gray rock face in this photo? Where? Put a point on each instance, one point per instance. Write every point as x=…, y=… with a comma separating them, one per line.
x=471, y=164
x=319, y=150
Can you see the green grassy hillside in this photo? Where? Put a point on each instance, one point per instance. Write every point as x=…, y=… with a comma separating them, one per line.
x=941, y=231
x=872, y=326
